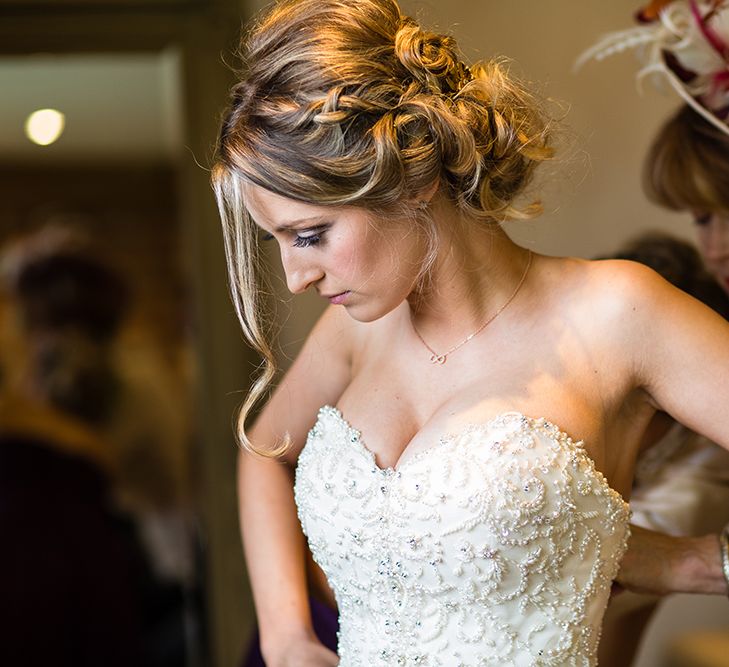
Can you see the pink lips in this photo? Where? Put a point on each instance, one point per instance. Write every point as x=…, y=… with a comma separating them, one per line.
x=339, y=299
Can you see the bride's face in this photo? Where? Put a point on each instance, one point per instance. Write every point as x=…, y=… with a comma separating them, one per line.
x=349, y=257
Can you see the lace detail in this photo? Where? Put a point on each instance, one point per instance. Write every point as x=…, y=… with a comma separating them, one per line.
x=495, y=547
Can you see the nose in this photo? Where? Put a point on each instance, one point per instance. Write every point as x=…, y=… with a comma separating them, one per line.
x=300, y=272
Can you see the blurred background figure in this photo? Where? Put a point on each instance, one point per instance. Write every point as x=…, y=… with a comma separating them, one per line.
x=97, y=566
x=683, y=46
x=682, y=480
x=687, y=170
x=681, y=484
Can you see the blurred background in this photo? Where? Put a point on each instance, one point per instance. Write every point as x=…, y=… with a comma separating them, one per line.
x=107, y=205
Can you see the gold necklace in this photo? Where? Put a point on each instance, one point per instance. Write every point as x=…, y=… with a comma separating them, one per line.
x=440, y=359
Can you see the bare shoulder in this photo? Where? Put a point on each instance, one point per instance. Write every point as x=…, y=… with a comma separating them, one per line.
x=335, y=336
x=608, y=289
x=319, y=375
x=647, y=335
x=610, y=274
x=635, y=298
x=337, y=340
x=678, y=346
x=623, y=276
x=615, y=306
x=641, y=316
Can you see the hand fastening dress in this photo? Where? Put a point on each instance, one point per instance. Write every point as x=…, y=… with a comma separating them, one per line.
x=496, y=546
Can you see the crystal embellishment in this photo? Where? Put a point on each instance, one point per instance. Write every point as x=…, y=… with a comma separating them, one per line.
x=497, y=547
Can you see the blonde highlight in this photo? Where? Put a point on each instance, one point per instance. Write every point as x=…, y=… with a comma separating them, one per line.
x=353, y=103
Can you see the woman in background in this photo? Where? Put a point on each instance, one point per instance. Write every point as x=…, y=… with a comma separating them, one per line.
x=681, y=484
x=687, y=169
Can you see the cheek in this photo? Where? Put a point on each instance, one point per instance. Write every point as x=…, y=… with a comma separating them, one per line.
x=702, y=238
x=351, y=262
x=395, y=262
x=706, y=239
x=379, y=260
x=363, y=258
x=713, y=239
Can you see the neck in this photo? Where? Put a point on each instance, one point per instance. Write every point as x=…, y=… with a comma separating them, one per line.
x=476, y=271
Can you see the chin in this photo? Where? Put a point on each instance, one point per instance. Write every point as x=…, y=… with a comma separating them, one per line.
x=369, y=312
x=362, y=315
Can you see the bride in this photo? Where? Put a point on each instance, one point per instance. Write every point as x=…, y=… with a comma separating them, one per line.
x=459, y=431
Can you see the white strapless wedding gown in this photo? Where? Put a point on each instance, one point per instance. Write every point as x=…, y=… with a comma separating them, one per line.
x=497, y=546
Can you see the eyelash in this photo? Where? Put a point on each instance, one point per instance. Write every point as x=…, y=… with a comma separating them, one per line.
x=308, y=241
x=303, y=241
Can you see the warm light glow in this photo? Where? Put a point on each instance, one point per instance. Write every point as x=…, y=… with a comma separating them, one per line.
x=44, y=126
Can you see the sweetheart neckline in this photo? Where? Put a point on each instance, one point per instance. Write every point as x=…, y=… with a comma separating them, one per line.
x=357, y=439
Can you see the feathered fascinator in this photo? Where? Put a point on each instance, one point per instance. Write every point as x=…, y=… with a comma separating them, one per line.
x=685, y=42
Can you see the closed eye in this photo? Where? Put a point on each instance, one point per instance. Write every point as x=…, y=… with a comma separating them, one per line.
x=304, y=238
x=309, y=237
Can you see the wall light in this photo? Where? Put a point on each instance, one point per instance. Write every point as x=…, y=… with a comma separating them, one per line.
x=44, y=126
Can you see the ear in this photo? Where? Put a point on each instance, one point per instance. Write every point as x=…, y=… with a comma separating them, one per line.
x=423, y=198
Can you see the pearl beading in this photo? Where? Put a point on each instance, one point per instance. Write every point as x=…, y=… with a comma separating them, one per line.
x=497, y=546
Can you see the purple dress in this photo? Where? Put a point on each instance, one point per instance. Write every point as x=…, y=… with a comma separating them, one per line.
x=325, y=625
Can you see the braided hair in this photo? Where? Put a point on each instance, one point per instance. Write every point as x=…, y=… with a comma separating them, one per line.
x=349, y=102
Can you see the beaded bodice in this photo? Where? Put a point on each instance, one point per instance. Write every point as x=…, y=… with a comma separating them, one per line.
x=497, y=546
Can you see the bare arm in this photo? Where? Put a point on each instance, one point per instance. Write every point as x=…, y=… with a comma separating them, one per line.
x=681, y=353
x=273, y=541
x=660, y=564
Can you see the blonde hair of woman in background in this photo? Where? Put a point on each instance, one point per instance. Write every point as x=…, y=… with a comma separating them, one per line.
x=382, y=165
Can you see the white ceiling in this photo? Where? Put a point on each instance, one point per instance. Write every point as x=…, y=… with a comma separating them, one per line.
x=118, y=107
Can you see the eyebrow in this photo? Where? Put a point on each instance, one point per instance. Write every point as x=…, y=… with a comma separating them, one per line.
x=292, y=223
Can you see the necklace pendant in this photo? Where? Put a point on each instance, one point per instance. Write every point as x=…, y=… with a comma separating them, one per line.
x=440, y=359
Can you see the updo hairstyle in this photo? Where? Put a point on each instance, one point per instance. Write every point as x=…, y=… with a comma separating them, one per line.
x=348, y=102
x=687, y=166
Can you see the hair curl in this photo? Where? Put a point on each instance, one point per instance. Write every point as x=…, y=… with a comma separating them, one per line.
x=348, y=102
